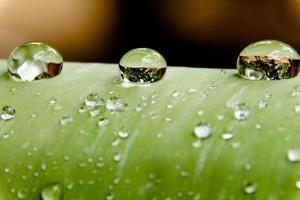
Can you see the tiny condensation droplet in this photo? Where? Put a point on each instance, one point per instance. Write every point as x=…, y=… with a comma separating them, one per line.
x=203, y=130
x=192, y=90
x=8, y=113
x=250, y=188
x=197, y=144
x=268, y=60
x=52, y=191
x=142, y=65
x=293, y=155
x=66, y=120
x=34, y=61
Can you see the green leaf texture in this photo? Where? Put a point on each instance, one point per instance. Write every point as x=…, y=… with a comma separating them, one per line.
x=161, y=158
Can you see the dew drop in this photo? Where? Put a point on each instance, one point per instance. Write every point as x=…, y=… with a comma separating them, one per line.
x=66, y=120
x=8, y=113
x=142, y=65
x=52, y=192
x=6, y=136
x=203, y=130
x=268, y=60
x=34, y=61
x=6, y=170
x=250, y=188
x=293, y=155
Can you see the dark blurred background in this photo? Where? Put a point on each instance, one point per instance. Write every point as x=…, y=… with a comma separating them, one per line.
x=196, y=33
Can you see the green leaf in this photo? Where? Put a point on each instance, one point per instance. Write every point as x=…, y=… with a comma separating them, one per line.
x=161, y=158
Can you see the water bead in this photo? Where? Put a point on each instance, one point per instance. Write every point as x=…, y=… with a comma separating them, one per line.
x=268, y=60
x=142, y=65
x=34, y=61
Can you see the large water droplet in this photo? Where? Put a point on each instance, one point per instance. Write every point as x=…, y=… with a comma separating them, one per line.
x=7, y=113
x=142, y=65
x=34, y=61
x=203, y=130
x=52, y=192
x=268, y=60
x=293, y=155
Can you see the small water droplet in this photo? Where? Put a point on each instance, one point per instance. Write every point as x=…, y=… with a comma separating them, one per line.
x=93, y=100
x=95, y=112
x=250, y=188
x=192, y=90
x=33, y=115
x=220, y=117
x=176, y=93
x=123, y=133
x=6, y=170
x=203, y=130
x=6, y=136
x=168, y=119
x=66, y=120
x=197, y=144
x=139, y=108
x=21, y=194
x=262, y=104
x=43, y=166
x=117, y=157
x=200, y=113
x=116, y=104
x=227, y=136
x=293, y=155
x=84, y=108
x=236, y=145
x=52, y=192
x=169, y=106
x=8, y=113
x=297, y=184
x=268, y=96
x=258, y=126
x=103, y=121
x=52, y=101
x=116, y=142
x=297, y=108
x=241, y=114
x=110, y=197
